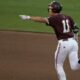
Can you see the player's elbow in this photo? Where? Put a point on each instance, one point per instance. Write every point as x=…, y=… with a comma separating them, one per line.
x=39, y=19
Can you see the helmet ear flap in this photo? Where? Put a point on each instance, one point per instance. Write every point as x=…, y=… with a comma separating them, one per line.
x=53, y=10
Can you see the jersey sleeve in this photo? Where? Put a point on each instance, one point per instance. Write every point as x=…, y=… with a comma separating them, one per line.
x=75, y=28
x=50, y=21
x=72, y=22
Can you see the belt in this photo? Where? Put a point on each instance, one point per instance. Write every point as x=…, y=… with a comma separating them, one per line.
x=65, y=39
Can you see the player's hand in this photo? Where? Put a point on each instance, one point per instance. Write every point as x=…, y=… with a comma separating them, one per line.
x=24, y=17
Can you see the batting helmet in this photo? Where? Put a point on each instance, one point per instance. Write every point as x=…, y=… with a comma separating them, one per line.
x=56, y=6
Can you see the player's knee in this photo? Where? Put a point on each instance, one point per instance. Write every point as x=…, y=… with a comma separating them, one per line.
x=60, y=72
x=74, y=67
x=58, y=67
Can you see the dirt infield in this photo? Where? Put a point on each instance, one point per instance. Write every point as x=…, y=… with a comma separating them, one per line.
x=29, y=56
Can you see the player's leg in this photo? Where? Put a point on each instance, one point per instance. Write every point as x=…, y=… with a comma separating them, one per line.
x=60, y=56
x=73, y=57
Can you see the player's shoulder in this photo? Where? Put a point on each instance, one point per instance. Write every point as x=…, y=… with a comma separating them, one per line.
x=59, y=17
x=55, y=16
x=66, y=16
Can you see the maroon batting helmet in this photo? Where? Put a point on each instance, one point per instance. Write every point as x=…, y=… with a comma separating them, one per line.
x=56, y=6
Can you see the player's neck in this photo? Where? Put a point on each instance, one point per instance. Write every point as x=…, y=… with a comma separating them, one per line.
x=54, y=14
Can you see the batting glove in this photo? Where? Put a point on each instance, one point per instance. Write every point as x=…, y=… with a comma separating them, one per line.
x=24, y=17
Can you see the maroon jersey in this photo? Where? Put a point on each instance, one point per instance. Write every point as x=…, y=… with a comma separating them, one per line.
x=62, y=25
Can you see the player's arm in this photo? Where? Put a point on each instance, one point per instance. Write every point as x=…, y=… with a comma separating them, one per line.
x=76, y=32
x=34, y=18
x=76, y=37
x=76, y=29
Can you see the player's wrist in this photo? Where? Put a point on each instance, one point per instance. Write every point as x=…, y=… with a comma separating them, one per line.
x=25, y=17
x=28, y=17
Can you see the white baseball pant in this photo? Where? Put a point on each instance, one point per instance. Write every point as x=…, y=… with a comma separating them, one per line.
x=66, y=48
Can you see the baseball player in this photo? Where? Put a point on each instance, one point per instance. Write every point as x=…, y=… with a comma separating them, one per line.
x=66, y=32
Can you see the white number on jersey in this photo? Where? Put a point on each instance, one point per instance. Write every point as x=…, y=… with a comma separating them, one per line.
x=66, y=27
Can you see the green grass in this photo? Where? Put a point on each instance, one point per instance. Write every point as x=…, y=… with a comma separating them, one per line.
x=11, y=9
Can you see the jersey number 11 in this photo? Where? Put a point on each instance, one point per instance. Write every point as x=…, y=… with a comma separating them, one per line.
x=66, y=27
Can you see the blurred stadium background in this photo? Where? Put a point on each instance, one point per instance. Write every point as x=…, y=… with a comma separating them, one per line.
x=11, y=9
